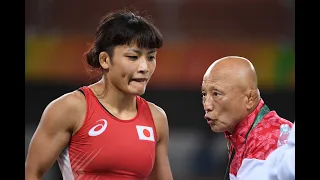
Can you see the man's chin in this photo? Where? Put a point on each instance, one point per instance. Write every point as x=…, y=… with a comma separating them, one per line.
x=216, y=129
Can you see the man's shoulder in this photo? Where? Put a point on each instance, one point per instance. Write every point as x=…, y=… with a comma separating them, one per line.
x=273, y=120
x=263, y=138
x=269, y=126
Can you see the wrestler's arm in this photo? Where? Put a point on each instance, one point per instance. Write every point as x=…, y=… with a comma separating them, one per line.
x=161, y=169
x=58, y=121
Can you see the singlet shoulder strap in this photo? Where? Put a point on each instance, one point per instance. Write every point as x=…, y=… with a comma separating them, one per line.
x=81, y=91
x=84, y=90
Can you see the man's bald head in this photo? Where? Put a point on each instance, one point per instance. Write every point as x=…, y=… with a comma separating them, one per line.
x=230, y=92
x=238, y=70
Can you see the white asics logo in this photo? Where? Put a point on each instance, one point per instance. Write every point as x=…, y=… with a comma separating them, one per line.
x=103, y=126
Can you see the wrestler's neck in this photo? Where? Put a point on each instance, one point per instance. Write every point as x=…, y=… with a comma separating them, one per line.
x=113, y=97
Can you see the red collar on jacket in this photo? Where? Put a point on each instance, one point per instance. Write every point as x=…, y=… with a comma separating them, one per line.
x=239, y=134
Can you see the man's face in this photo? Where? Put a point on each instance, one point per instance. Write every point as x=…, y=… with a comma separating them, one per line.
x=224, y=103
x=131, y=68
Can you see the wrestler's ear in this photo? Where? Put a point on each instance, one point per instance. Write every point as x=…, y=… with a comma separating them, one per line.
x=104, y=60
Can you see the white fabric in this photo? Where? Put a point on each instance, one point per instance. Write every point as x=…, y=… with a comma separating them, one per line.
x=279, y=165
x=65, y=165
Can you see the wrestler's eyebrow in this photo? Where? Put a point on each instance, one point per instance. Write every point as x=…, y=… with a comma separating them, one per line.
x=152, y=51
x=140, y=52
x=135, y=50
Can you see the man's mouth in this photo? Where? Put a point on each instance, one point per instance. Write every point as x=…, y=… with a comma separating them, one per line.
x=209, y=120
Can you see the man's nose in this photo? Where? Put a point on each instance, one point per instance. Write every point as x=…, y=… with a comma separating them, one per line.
x=207, y=105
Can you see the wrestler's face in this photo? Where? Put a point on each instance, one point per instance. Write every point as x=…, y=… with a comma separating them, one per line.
x=131, y=68
x=224, y=103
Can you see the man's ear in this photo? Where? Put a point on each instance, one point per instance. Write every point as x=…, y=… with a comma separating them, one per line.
x=104, y=60
x=252, y=98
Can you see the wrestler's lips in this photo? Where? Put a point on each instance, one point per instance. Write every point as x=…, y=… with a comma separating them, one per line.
x=139, y=79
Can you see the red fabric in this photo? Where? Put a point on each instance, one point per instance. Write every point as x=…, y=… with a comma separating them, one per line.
x=261, y=141
x=122, y=151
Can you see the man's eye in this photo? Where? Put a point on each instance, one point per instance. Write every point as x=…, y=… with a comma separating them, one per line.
x=215, y=93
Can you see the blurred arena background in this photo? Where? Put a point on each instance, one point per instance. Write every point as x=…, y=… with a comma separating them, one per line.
x=196, y=33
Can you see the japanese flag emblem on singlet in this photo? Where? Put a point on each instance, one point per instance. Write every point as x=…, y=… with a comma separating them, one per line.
x=145, y=133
